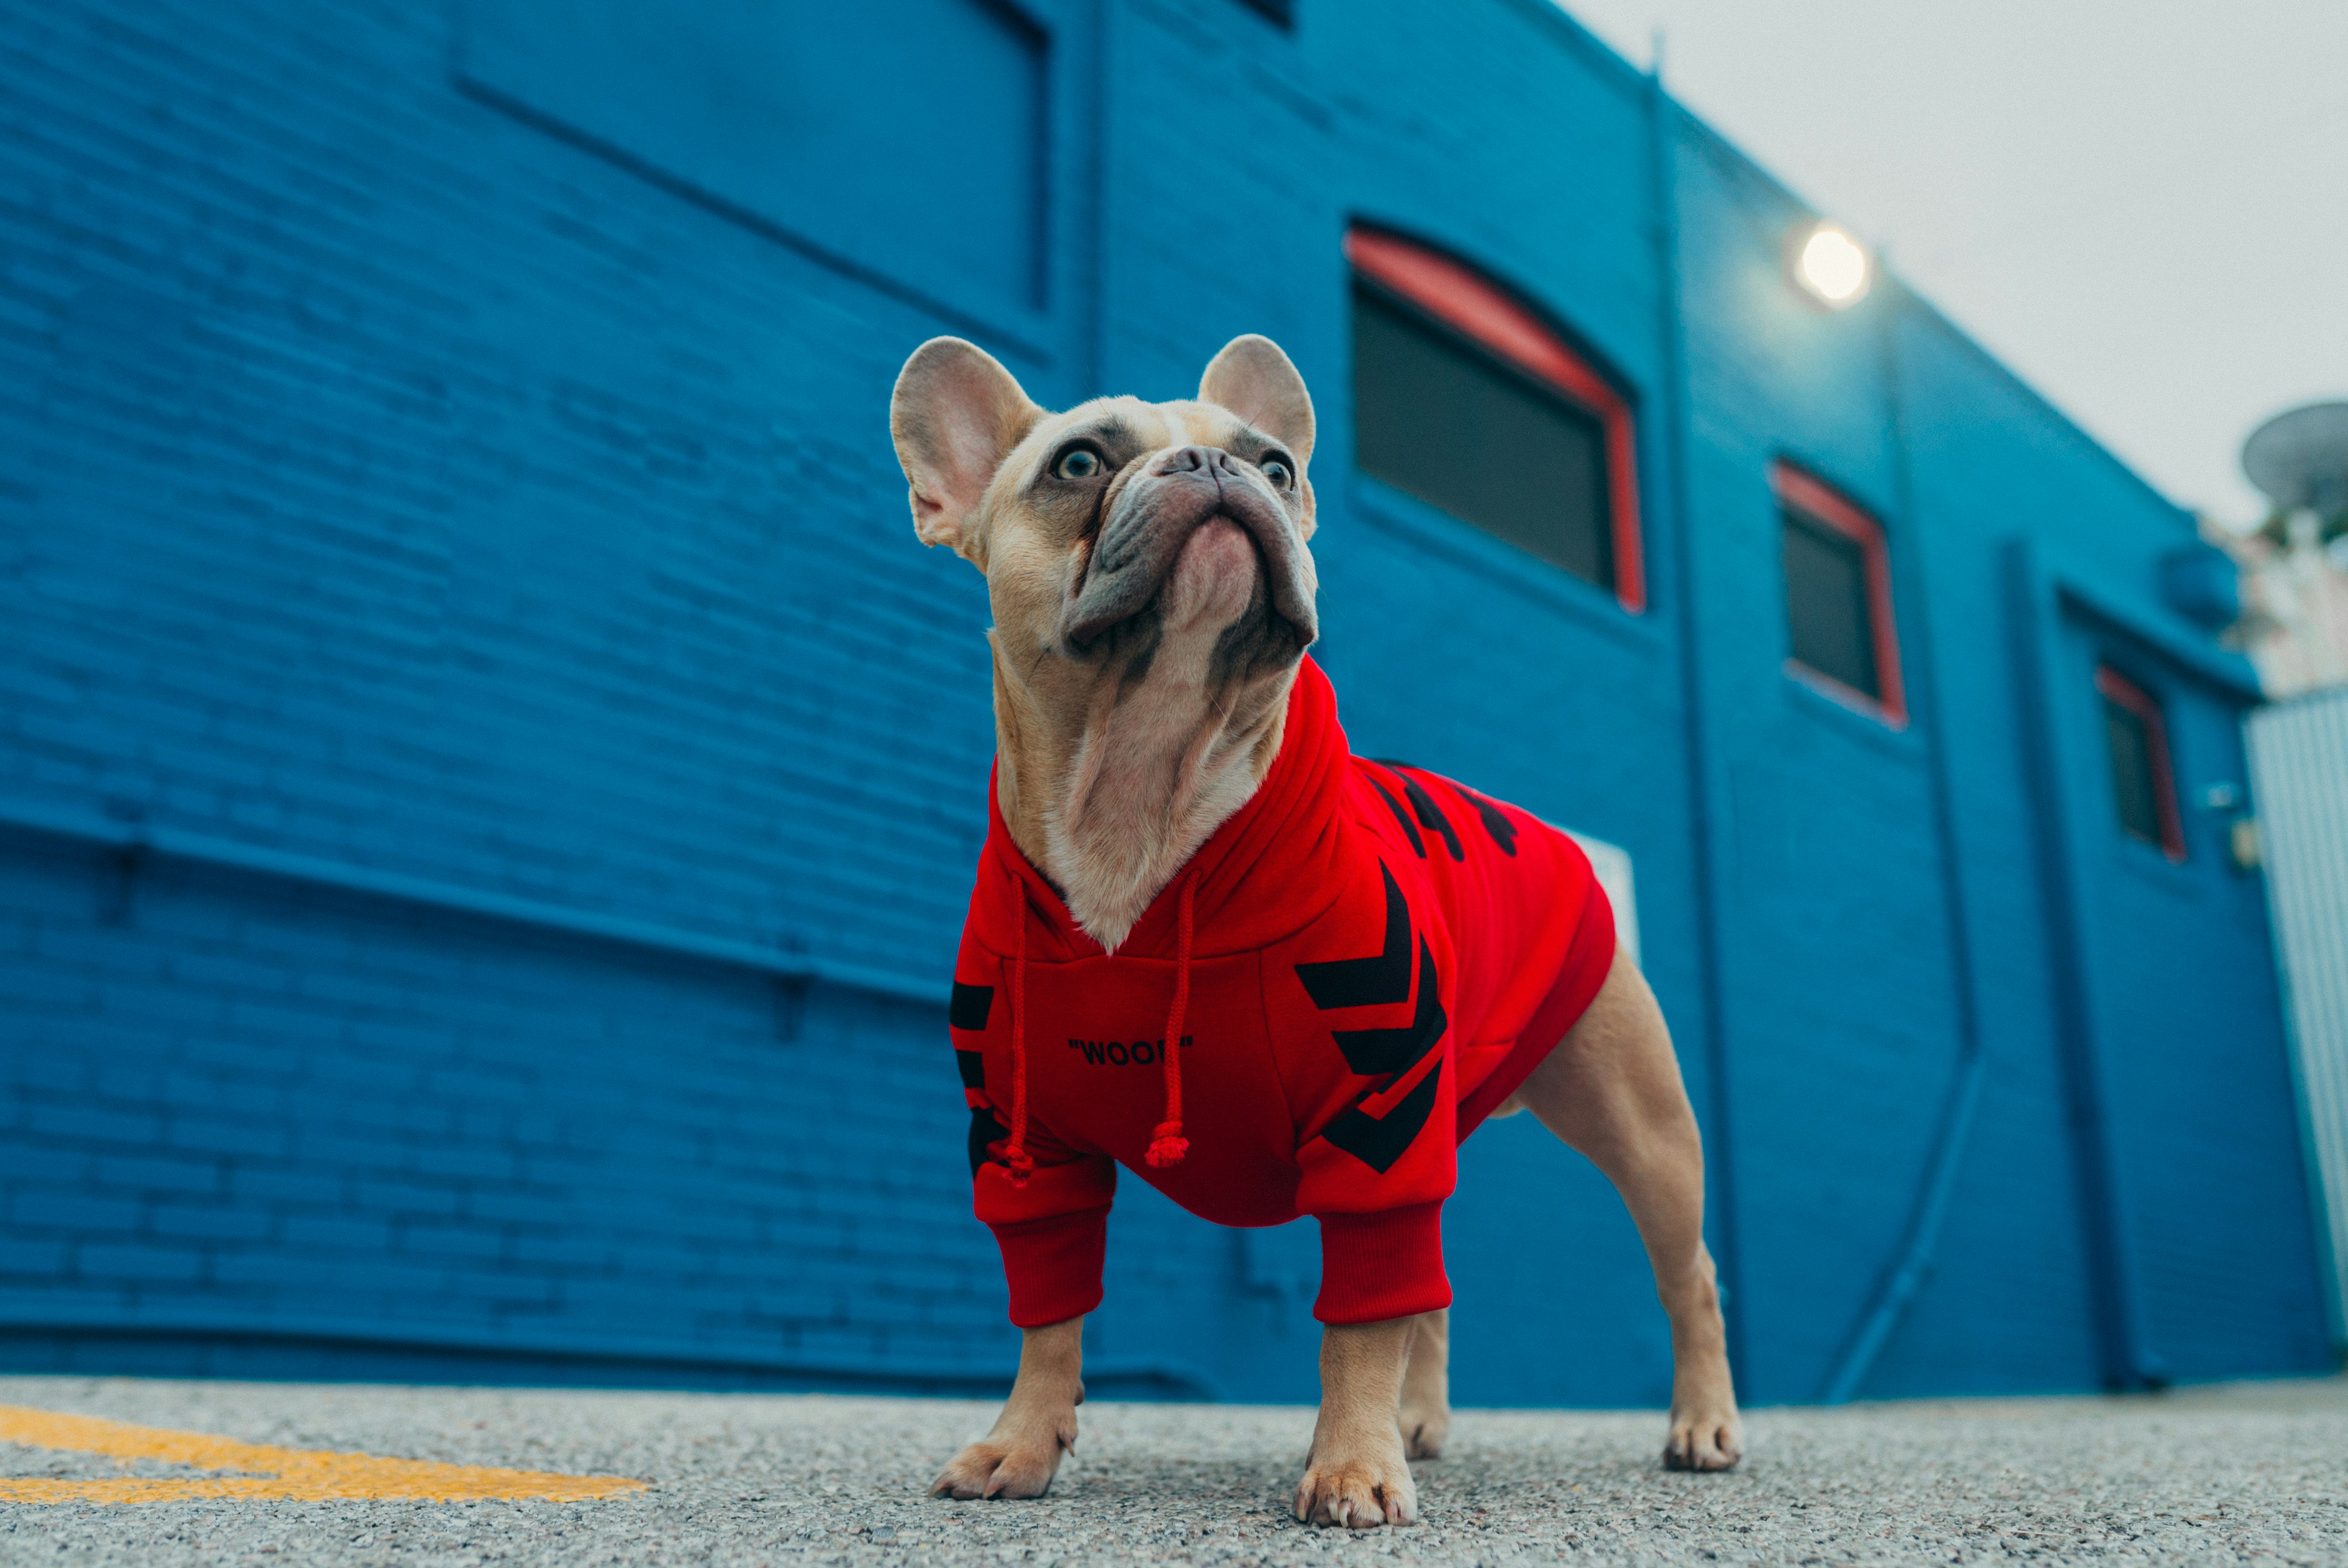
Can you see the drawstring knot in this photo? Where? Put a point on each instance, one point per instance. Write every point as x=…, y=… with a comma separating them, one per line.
x=1167, y=1144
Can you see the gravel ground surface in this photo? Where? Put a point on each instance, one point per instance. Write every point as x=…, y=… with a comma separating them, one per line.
x=2249, y=1472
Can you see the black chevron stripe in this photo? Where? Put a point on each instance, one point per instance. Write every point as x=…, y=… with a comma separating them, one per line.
x=1429, y=814
x=1410, y=828
x=1376, y=1051
x=1496, y=821
x=1384, y=977
x=1378, y=1141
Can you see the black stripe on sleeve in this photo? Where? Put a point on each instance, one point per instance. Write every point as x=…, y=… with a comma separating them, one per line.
x=1379, y=1142
x=970, y=1006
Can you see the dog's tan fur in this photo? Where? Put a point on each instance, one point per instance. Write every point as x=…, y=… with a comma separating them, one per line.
x=1148, y=619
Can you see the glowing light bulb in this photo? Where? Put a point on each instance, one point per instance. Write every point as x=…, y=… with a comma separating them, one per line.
x=1833, y=267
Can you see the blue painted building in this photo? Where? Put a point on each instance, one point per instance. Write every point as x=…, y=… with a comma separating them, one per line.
x=488, y=782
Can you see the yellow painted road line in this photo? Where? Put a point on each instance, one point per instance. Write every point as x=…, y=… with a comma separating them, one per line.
x=302, y=1474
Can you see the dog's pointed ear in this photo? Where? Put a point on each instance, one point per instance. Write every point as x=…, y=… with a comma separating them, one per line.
x=1255, y=380
x=956, y=414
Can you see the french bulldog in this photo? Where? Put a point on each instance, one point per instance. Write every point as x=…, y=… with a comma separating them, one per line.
x=1149, y=571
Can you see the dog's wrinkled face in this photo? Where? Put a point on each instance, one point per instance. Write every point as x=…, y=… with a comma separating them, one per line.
x=1175, y=517
x=1153, y=595
x=1129, y=540
x=1105, y=529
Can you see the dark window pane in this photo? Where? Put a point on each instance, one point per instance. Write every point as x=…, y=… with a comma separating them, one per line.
x=1460, y=429
x=1827, y=603
x=2133, y=790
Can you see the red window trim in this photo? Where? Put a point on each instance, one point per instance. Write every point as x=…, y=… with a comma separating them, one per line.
x=1814, y=500
x=1474, y=306
x=2118, y=688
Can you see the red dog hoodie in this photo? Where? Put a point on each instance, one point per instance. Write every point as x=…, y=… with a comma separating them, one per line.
x=1342, y=983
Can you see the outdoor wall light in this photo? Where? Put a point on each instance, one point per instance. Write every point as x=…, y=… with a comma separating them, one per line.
x=1831, y=267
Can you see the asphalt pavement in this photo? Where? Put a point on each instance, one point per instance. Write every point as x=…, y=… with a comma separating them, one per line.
x=2249, y=1472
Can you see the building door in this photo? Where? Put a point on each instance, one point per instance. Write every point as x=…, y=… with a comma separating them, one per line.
x=2190, y=1154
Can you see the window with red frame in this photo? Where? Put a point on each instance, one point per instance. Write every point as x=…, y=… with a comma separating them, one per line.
x=1466, y=400
x=1838, y=574
x=2144, y=783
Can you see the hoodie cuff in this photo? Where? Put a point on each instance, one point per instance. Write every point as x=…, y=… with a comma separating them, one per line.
x=1382, y=1265
x=1054, y=1265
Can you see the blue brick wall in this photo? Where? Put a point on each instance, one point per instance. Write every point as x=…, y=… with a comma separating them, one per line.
x=257, y=1108
x=494, y=781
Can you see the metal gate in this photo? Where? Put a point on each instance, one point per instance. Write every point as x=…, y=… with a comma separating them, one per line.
x=2299, y=768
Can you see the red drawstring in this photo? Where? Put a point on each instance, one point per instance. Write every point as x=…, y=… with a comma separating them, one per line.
x=1014, y=1148
x=1167, y=1144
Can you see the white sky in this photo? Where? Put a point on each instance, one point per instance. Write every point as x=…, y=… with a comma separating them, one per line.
x=2141, y=205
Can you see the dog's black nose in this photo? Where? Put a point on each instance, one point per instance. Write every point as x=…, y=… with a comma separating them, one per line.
x=1208, y=460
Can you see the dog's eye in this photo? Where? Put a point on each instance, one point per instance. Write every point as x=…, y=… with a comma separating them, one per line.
x=1082, y=463
x=1276, y=469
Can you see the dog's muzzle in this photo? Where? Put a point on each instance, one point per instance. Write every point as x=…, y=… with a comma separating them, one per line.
x=1155, y=516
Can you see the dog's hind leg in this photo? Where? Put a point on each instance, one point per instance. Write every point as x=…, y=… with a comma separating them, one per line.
x=1426, y=1385
x=1611, y=1090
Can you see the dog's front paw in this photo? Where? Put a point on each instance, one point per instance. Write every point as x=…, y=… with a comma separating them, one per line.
x=1360, y=1492
x=1705, y=1435
x=1001, y=1465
